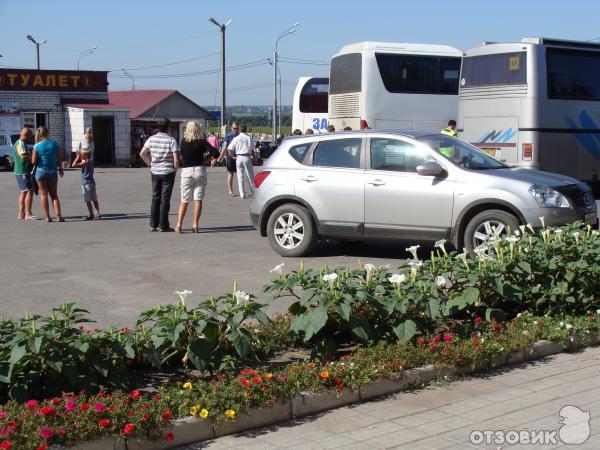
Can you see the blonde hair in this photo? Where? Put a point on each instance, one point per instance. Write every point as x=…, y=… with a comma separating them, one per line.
x=193, y=131
x=85, y=153
x=41, y=133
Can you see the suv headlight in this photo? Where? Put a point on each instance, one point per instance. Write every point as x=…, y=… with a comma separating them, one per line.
x=547, y=197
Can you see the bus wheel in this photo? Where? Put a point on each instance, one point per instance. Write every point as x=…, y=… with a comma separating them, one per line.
x=486, y=225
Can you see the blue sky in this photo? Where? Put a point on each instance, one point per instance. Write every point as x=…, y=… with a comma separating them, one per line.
x=132, y=34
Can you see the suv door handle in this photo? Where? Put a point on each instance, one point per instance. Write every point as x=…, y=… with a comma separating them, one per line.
x=309, y=178
x=376, y=182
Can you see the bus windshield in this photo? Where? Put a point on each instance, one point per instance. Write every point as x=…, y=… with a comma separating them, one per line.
x=460, y=153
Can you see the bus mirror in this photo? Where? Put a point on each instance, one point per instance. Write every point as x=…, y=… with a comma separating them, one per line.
x=430, y=169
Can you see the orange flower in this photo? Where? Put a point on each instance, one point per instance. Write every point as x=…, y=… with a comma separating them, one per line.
x=325, y=374
x=311, y=366
x=269, y=376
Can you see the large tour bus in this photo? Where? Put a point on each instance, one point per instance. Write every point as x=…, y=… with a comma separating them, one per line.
x=394, y=86
x=310, y=104
x=534, y=103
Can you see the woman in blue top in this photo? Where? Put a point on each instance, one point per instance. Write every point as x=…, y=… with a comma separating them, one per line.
x=47, y=159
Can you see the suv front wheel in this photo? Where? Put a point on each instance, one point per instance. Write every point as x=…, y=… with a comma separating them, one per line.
x=291, y=231
x=486, y=225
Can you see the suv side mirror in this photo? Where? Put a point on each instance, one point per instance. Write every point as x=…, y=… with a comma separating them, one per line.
x=430, y=169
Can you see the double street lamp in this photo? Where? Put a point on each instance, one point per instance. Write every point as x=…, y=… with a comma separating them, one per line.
x=37, y=47
x=89, y=51
x=222, y=27
x=283, y=34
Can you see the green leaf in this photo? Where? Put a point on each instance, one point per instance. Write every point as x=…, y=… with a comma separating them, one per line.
x=525, y=267
x=468, y=297
x=19, y=393
x=211, y=332
x=296, y=309
x=101, y=366
x=311, y=322
x=177, y=332
x=496, y=314
x=153, y=356
x=242, y=341
x=344, y=309
x=324, y=349
x=199, y=353
x=432, y=308
x=129, y=351
x=5, y=373
x=498, y=286
x=262, y=318
x=55, y=363
x=360, y=327
x=406, y=330
x=17, y=353
x=35, y=343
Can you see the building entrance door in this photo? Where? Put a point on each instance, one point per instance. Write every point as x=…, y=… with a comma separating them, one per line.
x=104, y=140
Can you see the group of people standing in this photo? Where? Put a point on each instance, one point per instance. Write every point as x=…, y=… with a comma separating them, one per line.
x=238, y=154
x=37, y=172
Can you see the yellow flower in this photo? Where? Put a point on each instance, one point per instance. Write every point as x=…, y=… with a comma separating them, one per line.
x=193, y=410
x=203, y=414
x=325, y=374
x=246, y=395
x=230, y=413
x=269, y=376
x=187, y=385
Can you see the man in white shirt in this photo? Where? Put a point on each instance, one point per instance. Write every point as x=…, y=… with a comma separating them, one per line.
x=244, y=152
x=161, y=153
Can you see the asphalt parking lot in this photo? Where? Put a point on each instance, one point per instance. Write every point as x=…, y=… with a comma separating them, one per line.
x=116, y=268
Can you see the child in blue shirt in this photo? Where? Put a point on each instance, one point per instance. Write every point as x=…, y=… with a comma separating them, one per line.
x=84, y=161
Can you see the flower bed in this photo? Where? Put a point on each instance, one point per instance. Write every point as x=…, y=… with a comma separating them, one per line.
x=455, y=311
x=71, y=419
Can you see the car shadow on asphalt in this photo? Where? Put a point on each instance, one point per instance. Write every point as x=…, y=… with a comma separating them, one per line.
x=112, y=216
x=231, y=229
x=372, y=249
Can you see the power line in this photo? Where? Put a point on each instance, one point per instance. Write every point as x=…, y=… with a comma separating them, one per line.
x=171, y=63
x=248, y=65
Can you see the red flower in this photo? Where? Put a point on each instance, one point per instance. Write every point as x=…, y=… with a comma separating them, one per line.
x=99, y=407
x=337, y=381
x=447, y=338
x=111, y=409
x=131, y=413
x=12, y=425
x=213, y=381
x=246, y=383
x=103, y=423
x=282, y=378
x=47, y=411
x=220, y=377
x=421, y=341
x=135, y=395
x=46, y=433
x=62, y=432
x=146, y=416
x=433, y=345
x=170, y=436
x=32, y=404
x=340, y=388
x=6, y=444
x=361, y=311
x=166, y=415
x=477, y=320
x=84, y=407
x=257, y=379
x=437, y=337
x=56, y=401
x=42, y=447
x=128, y=429
x=251, y=372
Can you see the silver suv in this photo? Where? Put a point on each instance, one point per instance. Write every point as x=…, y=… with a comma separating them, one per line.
x=403, y=185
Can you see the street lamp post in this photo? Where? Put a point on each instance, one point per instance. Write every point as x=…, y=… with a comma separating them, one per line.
x=287, y=32
x=222, y=27
x=130, y=76
x=37, y=47
x=89, y=51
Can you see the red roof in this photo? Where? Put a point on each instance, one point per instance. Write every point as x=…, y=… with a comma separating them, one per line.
x=138, y=101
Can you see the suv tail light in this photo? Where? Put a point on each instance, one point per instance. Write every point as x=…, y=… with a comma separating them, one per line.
x=363, y=124
x=259, y=178
x=527, y=152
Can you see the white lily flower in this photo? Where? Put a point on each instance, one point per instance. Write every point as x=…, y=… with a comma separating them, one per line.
x=525, y=332
x=512, y=240
x=522, y=228
x=385, y=266
x=598, y=311
x=241, y=296
x=277, y=269
x=370, y=267
x=415, y=263
x=440, y=281
x=562, y=324
x=543, y=222
x=183, y=295
x=535, y=322
x=413, y=250
x=519, y=315
x=568, y=326
x=441, y=244
x=517, y=233
x=576, y=235
x=530, y=228
x=397, y=279
x=558, y=231
x=330, y=277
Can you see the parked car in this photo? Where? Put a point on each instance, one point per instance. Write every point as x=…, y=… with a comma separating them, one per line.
x=6, y=149
x=406, y=185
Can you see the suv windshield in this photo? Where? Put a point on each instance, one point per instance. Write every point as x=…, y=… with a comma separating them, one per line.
x=460, y=153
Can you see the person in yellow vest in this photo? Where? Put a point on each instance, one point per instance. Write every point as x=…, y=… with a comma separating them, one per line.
x=450, y=130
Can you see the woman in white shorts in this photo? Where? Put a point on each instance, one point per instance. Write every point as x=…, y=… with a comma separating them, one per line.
x=196, y=153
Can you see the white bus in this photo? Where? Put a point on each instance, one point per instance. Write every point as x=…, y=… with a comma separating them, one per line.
x=310, y=104
x=534, y=103
x=394, y=86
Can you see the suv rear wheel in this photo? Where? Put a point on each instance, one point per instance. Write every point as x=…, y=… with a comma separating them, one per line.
x=291, y=231
x=487, y=224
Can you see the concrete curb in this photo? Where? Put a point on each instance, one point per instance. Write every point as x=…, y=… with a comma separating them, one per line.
x=190, y=430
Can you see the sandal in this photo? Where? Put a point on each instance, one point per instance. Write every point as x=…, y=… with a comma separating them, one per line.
x=60, y=219
x=178, y=230
x=48, y=219
x=194, y=229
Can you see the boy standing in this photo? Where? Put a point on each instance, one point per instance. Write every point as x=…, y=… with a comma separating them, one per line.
x=22, y=159
x=84, y=161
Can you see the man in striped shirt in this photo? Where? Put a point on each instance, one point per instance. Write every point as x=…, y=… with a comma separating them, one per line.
x=161, y=154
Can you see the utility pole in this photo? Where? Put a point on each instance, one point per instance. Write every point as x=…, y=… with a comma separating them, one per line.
x=222, y=27
x=287, y=32
x=37, y=48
